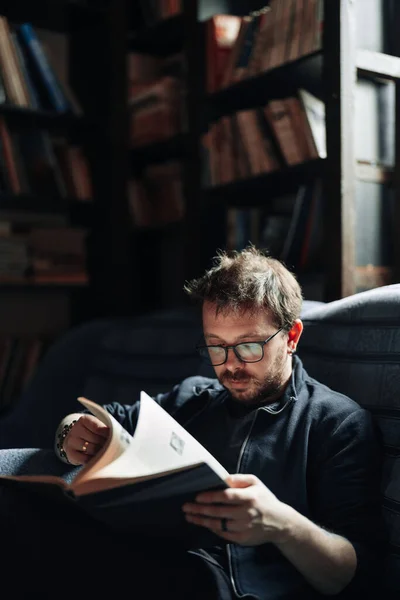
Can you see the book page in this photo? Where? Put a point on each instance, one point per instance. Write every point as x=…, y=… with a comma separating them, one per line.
x=158, y=446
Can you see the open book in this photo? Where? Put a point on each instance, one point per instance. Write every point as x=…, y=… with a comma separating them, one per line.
x=139, y=482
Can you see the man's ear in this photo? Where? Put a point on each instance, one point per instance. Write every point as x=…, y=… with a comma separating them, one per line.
x=294, y=335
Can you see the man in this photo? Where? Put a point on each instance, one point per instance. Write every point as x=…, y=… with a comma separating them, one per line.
x=301, y=515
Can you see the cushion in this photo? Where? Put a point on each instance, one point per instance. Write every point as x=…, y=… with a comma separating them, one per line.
x=353, y=346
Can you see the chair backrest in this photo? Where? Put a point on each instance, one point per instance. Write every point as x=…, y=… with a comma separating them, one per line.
x=106, y=361
x=353, y=346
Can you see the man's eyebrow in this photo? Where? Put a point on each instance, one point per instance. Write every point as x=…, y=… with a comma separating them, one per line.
x=256, y=336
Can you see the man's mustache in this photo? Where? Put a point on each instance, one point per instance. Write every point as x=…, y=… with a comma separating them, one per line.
x=237, y=376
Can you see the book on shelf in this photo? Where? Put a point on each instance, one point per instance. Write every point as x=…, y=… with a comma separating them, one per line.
x=256, y=45
x=221, y=32
x=138, y=483
x=289, y=228
x=41, y=166
x=75, y=170
x=57, y=253
x=8, y=162
x=43, y=255
x=289, y=30
x=14, y=256
x=42, y=69
x=158, y=10
x=286, y=131
x=15, y=86
x=157, y=112
x=34, y=163
x=30, y=76
x=156, y=197
x=144, y=70
x=55, y=48
x=298, y=124
x=314, y=124
x=32, y=98
x=257, y=145
x=242, y=228
x=241, y=54
x=297, y=242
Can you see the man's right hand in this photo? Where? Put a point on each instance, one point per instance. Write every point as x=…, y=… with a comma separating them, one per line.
x=85, y=439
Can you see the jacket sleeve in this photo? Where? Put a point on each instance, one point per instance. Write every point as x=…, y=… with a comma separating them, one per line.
x=127, y=414
x=345, y=493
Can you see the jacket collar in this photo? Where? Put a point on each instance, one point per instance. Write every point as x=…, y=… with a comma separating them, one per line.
x=213, y=389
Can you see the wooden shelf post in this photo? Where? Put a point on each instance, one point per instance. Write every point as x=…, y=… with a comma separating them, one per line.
x=339, y=75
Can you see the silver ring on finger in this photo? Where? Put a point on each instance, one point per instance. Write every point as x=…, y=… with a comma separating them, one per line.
x=85, y=446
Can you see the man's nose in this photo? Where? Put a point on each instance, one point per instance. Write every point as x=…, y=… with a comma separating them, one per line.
x=232, y=359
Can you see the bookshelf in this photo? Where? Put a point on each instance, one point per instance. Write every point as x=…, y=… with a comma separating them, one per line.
x=174, y=253
x=37, y=305
x=331, y=73
x=121, y=281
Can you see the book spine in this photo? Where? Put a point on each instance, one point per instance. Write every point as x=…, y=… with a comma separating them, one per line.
x=318, y=41
x=35, y=49
x=294, y=48
x=30, y=89
x=9, y=158
x=282, y=126
x=14, y=84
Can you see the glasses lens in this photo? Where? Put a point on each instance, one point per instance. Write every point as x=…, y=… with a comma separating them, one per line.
x=213, y=355
x=250, y=352
x=216, y=354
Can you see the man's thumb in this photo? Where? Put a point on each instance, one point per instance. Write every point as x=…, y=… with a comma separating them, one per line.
x=241, y=481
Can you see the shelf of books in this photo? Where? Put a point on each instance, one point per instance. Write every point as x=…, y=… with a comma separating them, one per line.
x=40, y=157
x=49, y=256
x=274, y=41
x=158, y=120
x=267, y=149
x=45, y=176
x=266, y=135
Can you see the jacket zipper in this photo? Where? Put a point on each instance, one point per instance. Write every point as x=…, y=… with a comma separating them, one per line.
x=242, y=449
x=228, y=547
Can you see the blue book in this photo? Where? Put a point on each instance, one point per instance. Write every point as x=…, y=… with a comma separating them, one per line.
x=40, y=61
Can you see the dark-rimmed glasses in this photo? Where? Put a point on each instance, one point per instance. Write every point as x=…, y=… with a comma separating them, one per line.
x=248, y=352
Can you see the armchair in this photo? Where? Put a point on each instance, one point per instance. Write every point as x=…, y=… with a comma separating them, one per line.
x=352, y=345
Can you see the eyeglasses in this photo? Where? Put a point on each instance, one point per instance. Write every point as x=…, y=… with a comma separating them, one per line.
x=248, y=352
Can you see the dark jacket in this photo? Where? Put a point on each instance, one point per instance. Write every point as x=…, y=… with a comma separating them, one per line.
x=316, y=451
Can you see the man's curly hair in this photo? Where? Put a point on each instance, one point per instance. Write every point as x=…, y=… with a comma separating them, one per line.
x=247, y=281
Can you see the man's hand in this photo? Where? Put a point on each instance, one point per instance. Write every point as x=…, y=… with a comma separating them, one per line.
x=85, y=439
x=246, y=513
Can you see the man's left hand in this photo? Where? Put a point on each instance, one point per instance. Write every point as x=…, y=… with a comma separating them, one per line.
x=246, y=513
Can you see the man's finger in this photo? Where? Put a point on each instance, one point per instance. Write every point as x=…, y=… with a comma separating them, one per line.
x=239, y=480
x=94, y=425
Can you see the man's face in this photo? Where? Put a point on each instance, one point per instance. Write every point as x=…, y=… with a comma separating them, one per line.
x=250, y=383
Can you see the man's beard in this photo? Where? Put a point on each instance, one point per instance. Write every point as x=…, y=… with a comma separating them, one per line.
x=264, y=390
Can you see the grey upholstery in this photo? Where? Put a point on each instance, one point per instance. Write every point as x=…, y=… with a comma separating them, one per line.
x=105, y=360
x=353, y=346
